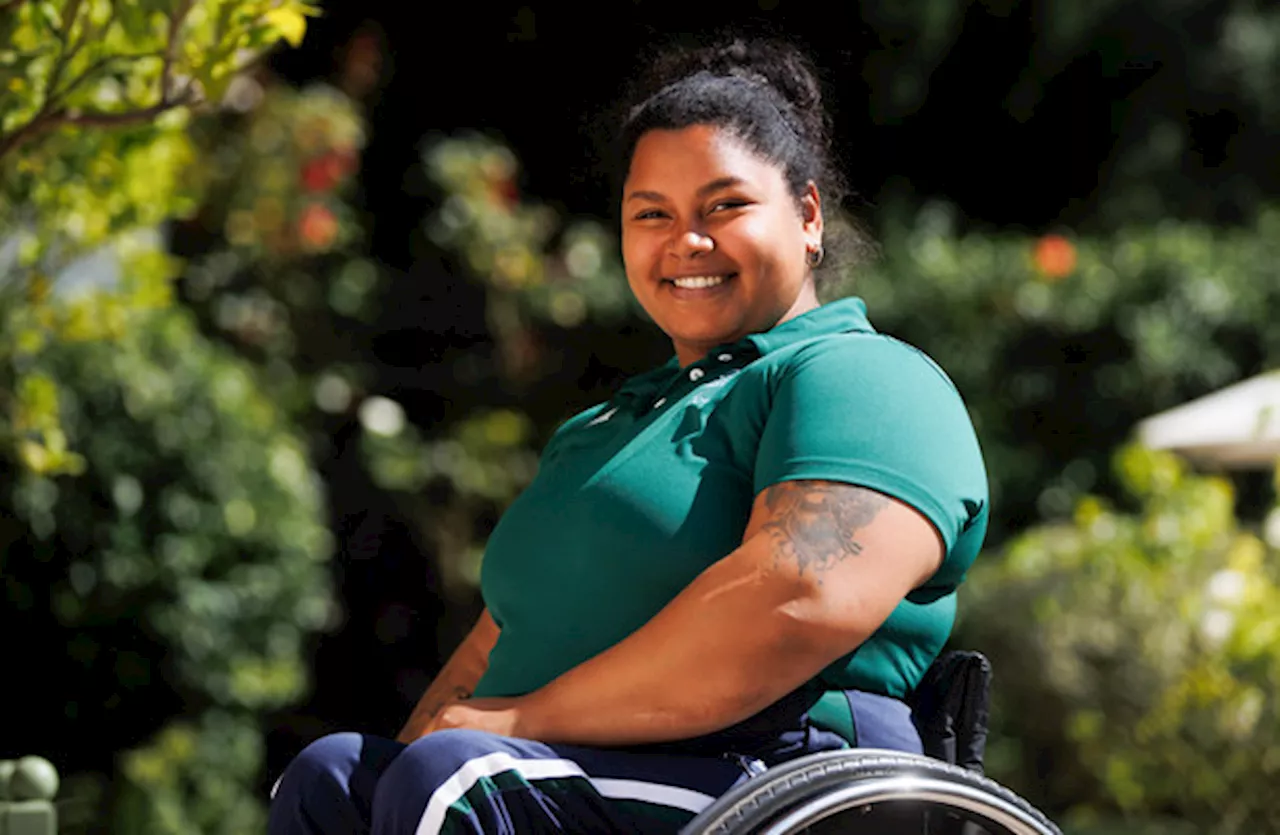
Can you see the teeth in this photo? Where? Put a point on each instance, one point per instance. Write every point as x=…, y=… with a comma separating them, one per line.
x=698, y=282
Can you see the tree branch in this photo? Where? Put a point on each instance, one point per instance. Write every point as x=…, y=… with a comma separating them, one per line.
x=92, y=118
x=53, y=114
x=100, y=119
x=45, y=121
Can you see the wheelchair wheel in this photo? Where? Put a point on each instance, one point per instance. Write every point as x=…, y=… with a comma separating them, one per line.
x=870, y=792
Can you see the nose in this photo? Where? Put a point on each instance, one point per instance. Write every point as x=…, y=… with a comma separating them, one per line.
x=691, y=243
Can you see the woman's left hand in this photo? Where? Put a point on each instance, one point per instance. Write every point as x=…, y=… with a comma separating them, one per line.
x=503, y=716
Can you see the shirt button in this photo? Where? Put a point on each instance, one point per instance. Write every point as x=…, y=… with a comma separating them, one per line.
x=725, y=357
x=696, y=374
x=659, y=402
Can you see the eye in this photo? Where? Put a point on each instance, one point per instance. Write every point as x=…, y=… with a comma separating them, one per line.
x=728, y=203
x=650, y=214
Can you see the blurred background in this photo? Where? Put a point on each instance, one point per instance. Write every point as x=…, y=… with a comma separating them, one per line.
x=291, y=296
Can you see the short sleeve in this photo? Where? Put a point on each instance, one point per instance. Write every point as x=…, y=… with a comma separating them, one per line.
x=870, y=410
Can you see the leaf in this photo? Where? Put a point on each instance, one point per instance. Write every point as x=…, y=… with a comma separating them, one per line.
x=290, y=21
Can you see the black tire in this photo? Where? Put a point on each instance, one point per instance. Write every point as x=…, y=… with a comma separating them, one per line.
x=796, y=795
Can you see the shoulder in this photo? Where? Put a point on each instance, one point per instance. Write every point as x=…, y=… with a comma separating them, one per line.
x=861, y=363
x=860, y=389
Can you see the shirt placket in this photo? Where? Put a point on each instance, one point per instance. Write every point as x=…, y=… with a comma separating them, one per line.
x=711, y=367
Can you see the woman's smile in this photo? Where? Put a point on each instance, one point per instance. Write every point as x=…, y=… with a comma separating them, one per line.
x=699, y=282
x=695, y=288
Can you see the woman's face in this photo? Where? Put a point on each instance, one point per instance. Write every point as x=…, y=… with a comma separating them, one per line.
x=713, y=240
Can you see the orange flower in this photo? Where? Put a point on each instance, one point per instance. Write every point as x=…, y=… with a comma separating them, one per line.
x=317, y=227
x=1055, y=257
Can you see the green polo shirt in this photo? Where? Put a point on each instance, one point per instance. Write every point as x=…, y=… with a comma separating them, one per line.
x=636, y=496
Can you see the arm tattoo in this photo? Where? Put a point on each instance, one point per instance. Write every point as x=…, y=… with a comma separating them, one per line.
x=816, y=522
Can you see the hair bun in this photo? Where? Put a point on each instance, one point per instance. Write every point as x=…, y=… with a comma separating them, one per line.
x=775, y=65
x=779, y=65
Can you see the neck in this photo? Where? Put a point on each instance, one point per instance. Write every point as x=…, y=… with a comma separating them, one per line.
x=806, y=301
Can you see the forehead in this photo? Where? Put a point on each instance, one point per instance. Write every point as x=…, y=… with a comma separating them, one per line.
x=686, y=158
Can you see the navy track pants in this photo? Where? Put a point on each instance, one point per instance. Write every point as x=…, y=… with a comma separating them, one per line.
x=463, y=781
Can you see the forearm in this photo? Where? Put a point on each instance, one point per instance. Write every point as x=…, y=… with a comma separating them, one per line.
x=457, y=679
x=741, y=636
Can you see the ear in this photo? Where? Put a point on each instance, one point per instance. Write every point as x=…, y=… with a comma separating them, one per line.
x=811, y=213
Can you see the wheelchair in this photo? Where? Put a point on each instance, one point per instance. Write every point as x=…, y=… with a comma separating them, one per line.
x=865, y=791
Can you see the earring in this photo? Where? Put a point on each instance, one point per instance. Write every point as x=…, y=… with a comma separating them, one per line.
x=813, y=255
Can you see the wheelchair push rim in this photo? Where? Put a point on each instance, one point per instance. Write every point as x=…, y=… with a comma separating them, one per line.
x=945, y=796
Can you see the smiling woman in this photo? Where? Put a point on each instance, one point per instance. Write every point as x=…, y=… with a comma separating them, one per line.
x=749, y=554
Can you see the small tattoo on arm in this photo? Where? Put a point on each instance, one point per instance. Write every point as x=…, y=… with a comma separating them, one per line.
x=816, y=523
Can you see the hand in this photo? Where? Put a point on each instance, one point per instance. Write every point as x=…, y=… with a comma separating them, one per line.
x=502, y=716
x=422, y=720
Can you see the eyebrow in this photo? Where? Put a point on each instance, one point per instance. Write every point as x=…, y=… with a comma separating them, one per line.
x=709, y=188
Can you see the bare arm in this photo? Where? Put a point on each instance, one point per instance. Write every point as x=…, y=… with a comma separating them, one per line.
x=821, y=566
x=456, y=680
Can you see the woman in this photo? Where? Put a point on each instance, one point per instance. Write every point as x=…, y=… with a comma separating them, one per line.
x=747, y=555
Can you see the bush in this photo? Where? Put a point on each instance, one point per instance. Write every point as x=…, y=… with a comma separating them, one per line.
x=1138, y=657
x=180, y=575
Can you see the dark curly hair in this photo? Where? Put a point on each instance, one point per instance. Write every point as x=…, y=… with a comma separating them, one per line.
x=766, y=94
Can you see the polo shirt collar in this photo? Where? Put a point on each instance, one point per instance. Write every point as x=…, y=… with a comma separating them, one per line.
x=643, y=389
x=844, y=316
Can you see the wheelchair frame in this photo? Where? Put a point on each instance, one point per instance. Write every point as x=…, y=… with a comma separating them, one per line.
x=943, y=793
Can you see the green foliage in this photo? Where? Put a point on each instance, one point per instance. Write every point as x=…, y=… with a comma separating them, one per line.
x=1249, y=55
x=193, y=776
x=97, y=98
x=536, y=269
x=285, y=301
x=449, y=482
x=198, y=521
x=279, y=178
x=486, y=456
x=1138, y=656
x=95, y=102
x=279, y=273
x=163, y=526
x=1061, y=345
